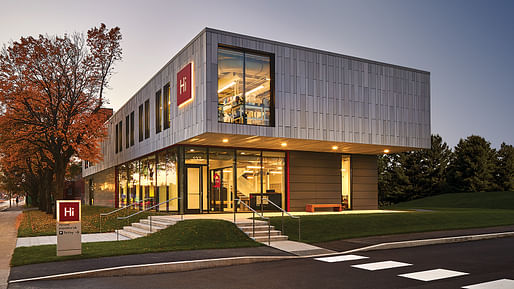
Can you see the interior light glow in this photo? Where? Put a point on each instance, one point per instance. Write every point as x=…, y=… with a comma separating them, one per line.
x=247, y=172
x=283, y=144
x=253, y=167
x=227, y=86
x=386, y=151
x=335, y=147
x=254, y=90
x=225, y=140
x=275, y=172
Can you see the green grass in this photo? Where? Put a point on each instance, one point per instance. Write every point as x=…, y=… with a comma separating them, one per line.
x=445, y=212
x=185, y=235
x=38, y=223
x=484, y=200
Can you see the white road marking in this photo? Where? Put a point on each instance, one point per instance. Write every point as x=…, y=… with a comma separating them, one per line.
x=496, y=284
x=381, y=265
x=341, y=258
x=435, y=274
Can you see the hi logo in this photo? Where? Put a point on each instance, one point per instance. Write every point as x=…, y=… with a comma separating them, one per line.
x=68, y=211
x=185, y=84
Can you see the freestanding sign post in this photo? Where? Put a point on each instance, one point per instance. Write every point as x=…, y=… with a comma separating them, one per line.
x=69, y=232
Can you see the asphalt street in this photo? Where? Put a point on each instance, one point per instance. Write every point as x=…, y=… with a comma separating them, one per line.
x=470, y=263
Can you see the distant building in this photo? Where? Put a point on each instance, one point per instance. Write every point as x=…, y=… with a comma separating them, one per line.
x=238, y=117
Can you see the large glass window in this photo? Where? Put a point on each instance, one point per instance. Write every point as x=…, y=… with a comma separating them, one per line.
x=147, y=181
x=273, y=164
x=345, y=181
x=147, y=118
x=120, y=140
x=141, y=123
x=122, y=186
x=131, y=128
x=248, y=177
x=244, y=88
x=117, y=137
x=167, y=179
x=167, y=106
x=158, y=112
x=221, y=174
x=127, y=132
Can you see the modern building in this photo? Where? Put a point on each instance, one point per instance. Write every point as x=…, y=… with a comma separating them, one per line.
x=238, y=117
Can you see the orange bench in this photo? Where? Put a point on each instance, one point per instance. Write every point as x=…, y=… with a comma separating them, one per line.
x=311, y=207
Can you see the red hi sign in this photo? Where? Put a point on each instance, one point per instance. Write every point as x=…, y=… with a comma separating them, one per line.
x=185, y=84
x=68, y=211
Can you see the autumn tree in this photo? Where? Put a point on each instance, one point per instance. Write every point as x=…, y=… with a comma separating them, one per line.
x=51, y=92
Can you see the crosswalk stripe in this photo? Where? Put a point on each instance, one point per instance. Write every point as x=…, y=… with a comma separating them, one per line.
x=381, y=265
x=435, y=274
x=496, y=284
x=340, y=258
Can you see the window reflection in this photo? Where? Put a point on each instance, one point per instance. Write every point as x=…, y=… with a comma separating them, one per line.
x=244, y=88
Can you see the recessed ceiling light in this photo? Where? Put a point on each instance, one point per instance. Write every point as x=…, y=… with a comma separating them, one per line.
x=225, y=140
x=283, y=144
x=335, y=147
x=191, y=150
x=386, y=151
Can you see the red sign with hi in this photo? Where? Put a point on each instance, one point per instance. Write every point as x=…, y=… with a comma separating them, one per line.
x=185, y=84
x=69, y=211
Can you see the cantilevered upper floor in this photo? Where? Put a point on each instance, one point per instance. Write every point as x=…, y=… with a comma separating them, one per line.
x=226, y=89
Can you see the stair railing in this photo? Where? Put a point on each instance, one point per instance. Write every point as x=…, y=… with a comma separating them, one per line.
x=120, y=209
x=254, y=212
x=285, y=212
x=150, y=217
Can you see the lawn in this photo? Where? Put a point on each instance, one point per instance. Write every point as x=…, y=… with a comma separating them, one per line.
x=185, y=235
x=38, y=223
x=443, y=212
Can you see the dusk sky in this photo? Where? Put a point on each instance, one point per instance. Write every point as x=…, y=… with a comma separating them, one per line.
x=467, y=46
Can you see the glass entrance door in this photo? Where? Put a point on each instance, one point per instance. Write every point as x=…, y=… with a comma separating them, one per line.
x=194, y=188
x=220, y=198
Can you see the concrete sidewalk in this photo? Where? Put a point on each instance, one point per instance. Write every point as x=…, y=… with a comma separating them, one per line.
x=8, y=233
x=52, y=240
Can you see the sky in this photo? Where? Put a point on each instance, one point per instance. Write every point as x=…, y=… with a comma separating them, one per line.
x=467, y=46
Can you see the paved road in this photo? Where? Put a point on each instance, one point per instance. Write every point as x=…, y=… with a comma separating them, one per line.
x=476, y=262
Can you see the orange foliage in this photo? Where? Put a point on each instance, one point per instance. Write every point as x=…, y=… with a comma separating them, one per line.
x=51, y=94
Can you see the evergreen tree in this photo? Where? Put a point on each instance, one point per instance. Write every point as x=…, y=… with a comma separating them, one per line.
x=505, y=167
x=473, y=165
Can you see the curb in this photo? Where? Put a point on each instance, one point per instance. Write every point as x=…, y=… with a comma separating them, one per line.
x=422, y=242
x=181, y=266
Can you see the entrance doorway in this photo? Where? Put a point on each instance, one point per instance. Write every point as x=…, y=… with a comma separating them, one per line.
x=219, y=194
x=194, y=188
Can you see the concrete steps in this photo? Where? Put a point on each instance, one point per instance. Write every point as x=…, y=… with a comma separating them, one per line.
x=141, y=229
x=261, y=231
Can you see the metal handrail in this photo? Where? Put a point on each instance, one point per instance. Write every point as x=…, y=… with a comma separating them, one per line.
x=253, y=219
x=149, y=208
x=150, y=217
x=119, y=209
x=284, y=211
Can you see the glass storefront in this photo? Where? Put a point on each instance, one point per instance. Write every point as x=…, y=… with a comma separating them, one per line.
x=212, y=179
